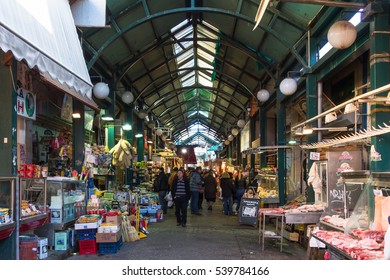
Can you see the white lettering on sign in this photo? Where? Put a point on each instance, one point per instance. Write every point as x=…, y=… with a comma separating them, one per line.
x=26, y=104
x=338, y=195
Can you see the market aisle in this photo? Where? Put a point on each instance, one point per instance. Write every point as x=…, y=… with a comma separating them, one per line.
x=212, y=236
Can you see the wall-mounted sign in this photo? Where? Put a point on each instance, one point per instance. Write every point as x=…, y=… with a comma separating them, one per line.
x=314, y=156
x=26, y=104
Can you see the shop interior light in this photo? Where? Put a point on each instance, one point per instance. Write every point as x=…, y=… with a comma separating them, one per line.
x=126, y=126
x=76, y=115
x=107, y=117
x=350, y=108
x=184, y=151
x=150, y=142
x=138, y=135
x=331, y=117
x=307, y=130
x=292, y=142
x=298, y=131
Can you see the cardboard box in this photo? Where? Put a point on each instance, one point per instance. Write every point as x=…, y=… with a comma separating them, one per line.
x=116, y=220
x=78, y=225
x=108, y=237
x=61, y=240
x=292, y=236
x=42, y=248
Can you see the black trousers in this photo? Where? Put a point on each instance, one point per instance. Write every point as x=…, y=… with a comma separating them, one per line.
x=181, y=204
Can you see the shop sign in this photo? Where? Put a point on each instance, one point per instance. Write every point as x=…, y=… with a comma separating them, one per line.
x=314, y=156
x=249, y=211
x=26, y=104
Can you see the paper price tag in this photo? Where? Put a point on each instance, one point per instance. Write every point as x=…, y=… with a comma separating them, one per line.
x=378, y=192
x=314, y=156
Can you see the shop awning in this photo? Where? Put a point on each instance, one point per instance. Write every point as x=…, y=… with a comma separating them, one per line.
x=42, y=32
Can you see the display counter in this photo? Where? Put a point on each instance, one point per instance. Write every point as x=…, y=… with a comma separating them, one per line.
x=33, y=212
x=303, y=218
x=66, y=198
x=268, y=188
x=7, y=222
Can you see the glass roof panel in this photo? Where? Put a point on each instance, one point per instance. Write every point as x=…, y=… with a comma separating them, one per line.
x=203, y=58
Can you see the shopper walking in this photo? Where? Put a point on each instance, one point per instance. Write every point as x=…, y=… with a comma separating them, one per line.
x=210, y=189
x=195, y=184
x=240, y=184
x=162, y=187
x=181, y=194
x=227, y=187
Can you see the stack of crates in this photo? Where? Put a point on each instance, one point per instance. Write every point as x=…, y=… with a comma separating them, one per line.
x=110, y=247
x=87, y=242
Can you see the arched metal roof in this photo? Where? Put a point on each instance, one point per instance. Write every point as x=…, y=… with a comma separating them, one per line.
x=199, y=62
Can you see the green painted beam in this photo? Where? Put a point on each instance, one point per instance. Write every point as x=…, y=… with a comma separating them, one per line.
x=281, y=153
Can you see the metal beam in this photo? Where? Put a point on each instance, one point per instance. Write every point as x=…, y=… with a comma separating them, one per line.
x=341, y=4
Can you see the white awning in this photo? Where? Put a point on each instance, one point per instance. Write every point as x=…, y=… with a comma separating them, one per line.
x=42, y=32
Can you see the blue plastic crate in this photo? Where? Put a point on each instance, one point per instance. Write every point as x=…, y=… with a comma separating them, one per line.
x=110, y=248
x=86, y=234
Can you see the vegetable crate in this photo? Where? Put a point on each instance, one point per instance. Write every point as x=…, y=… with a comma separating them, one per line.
x=110, y=248
x=86, y=234
x=87, y=247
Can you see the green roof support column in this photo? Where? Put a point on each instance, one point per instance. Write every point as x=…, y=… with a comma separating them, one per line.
x=78, y=128
x=281, y=140
x=311, y=111
x=140, y=140
x=230, y=148
x=129, y=137
x=252, y=136
x=379, y=76
x=263, y=135
x=8, y=151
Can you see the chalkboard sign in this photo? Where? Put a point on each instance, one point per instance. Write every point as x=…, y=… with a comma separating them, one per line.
x=249, y=211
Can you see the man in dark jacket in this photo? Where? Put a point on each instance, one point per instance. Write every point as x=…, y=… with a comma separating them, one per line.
x=181, y=194
x=162, y=187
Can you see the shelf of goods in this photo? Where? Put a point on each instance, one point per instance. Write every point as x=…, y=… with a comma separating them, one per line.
x=268, y=188
x=32, y=203
x=67, y=200
x=7, y=222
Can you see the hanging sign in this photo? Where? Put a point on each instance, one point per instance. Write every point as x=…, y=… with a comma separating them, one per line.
x=26, y=104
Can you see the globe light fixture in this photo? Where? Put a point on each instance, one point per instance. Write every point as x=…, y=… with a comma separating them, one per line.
x=263, y=95
x=226, y=142
x=127, y=97
x=288, y=86
x=235, y=131
x=151, y=124
x=142, y=114
x=241, y=123
x=159, y=132
x=342, y=34
x=101, y=90
x=230, y=138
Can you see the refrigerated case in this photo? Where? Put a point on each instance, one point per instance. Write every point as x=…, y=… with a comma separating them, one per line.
x=66, y=198
x=7, y=218
x=33, y=212
x=268, y=189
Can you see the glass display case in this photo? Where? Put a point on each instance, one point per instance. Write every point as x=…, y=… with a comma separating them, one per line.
x=66, y=198
x=343, y=198
x=7, y=222
x=268, y=187
x=32, y=203
x=372, y=210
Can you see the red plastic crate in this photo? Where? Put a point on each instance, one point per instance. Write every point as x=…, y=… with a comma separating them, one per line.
x=87, y=247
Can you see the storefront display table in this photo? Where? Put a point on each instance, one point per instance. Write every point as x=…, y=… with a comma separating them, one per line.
x=279, y=227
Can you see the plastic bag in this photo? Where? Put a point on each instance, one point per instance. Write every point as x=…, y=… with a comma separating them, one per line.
x=168, y=197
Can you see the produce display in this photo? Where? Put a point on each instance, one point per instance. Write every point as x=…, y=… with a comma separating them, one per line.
x=29, y=209
x=366, y=248
x=122, y=154
x=85, y=219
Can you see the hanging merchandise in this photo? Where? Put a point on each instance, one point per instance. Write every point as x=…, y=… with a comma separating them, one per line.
x=314, y=178
x=374, y=155
x=122, y=154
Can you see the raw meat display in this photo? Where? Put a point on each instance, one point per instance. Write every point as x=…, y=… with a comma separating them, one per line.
x=377, y=235
x=360, y=249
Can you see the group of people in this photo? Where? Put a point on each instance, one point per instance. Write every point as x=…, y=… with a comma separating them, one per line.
x=197, y=185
